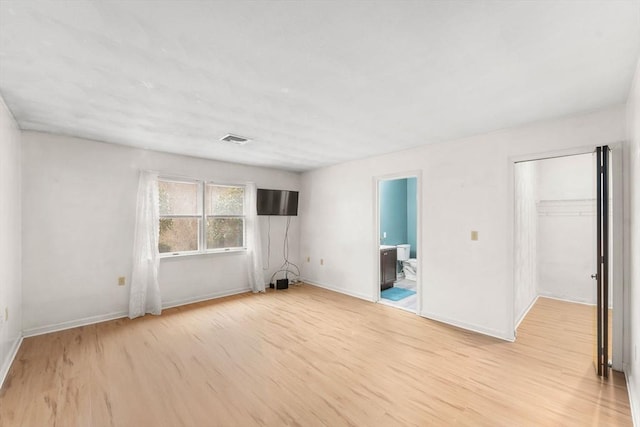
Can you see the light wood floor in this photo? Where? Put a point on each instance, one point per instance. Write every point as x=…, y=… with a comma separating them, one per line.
x=308, y=357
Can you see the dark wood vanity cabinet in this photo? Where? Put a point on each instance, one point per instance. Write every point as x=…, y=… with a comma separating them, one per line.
x=388, y=260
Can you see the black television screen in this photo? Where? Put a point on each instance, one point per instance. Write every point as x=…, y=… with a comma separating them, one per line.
x=277, y=202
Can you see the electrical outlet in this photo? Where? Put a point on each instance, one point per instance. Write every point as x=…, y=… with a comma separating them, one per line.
x=121, y=281
x=474, y=235
x=384, y=234
x=321, y=261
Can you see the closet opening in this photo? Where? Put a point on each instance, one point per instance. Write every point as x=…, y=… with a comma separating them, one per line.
x=567, y=252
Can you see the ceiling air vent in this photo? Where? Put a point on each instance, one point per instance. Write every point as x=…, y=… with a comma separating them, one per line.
x=235, y=139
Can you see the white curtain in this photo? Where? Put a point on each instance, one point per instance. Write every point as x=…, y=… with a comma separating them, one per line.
x=145, y=290
x=254, y=241
x=526, y=229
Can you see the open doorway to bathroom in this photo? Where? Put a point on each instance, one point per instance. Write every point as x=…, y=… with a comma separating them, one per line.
x=397, y=234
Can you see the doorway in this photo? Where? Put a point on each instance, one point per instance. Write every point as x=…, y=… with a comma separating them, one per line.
x=396, y=238
x=555, y=243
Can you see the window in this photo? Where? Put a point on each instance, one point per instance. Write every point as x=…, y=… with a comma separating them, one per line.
x=198, y=217
x=225, y=216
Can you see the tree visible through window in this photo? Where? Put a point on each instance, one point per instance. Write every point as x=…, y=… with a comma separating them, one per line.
x=225, y=216
x=186, y=227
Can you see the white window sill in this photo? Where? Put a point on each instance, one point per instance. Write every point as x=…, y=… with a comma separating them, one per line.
x=168, y=255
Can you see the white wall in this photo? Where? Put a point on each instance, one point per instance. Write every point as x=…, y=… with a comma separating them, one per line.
x=526, y=237
x=10, y=240
x=566, y=178
x=467, y=185
x=632, y=329
x=566, y=228
x=79, y=206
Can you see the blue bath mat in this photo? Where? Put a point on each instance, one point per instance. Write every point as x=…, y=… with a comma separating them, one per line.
x=396, y=294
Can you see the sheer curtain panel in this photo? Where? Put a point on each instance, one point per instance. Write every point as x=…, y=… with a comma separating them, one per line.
x=145, y=290
x=254, y=241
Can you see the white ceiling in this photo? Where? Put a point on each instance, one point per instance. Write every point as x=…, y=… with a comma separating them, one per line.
x=313, y=83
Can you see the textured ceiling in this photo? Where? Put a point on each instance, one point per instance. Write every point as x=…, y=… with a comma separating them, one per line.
x=312, y=83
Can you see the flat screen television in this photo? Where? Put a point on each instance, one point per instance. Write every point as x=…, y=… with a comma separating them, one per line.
x=277, y=202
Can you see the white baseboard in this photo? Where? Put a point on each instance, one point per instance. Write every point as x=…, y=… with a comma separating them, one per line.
x=206, y=297
x=469, y=327
x=633, y=404
x=55, y=327
x=565, y=299
x=473, y=328
x=339, y=290
x=524, y=314
x=120, y=314
x=6, y=365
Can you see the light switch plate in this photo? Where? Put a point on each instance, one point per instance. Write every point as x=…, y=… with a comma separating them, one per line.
x=474, y=235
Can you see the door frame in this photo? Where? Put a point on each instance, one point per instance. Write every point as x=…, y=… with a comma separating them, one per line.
x=617, y=282
x=417, y=174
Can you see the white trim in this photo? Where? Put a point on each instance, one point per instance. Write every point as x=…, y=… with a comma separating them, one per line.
x=391, y=304
x=565, y=299
x=553, y=154
x=7, y=363
x=56, y=327
x=617, y=253
x=206, y=297
x=473, y=328
x=469, y=327
x=171, y=255
x=511, y=262
x=635, y=411
x=338, y=290
x=202, y=216
x=375, y=286
x=524, y=314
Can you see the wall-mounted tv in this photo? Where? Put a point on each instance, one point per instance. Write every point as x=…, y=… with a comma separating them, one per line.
x=277, y=202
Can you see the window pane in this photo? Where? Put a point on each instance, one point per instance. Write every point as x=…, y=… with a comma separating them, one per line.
x=178, y=234
x=225, y=200
x=225, y=233
x=179, y=198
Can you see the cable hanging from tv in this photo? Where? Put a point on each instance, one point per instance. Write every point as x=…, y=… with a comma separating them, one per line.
x=287, y=266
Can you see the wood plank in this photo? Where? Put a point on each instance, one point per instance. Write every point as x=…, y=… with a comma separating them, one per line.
x=307, y=356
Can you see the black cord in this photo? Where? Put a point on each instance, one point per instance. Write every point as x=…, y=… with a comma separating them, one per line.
x=285, y=245
x=285, y=267
x=286, y=257
x=268, y=245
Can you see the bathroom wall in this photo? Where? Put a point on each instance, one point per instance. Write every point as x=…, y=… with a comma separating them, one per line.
x=393, y=211
x=398, y=212
x=412, y=213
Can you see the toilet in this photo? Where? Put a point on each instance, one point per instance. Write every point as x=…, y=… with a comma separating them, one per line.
x=409, y=265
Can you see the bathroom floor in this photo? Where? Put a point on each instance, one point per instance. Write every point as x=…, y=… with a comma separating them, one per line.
x=409, y=303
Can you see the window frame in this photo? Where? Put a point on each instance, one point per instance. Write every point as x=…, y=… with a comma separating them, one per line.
x=202, y=217
x=243, y=216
